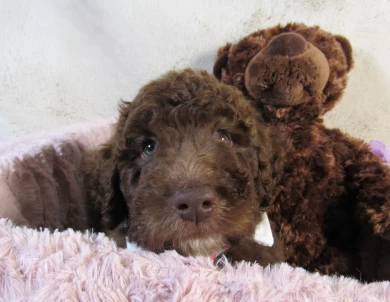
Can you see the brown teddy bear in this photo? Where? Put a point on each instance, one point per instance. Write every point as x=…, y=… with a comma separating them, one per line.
x=332, y=206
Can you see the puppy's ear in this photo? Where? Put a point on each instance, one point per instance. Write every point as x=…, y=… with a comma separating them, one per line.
x=104, y=188
x=221, y=61
x=271, y=157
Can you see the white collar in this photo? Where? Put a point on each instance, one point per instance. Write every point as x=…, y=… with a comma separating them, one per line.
x=263, y=233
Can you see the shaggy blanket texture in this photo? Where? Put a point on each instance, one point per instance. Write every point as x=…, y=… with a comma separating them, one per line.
x=43, y=171
x=71, y=266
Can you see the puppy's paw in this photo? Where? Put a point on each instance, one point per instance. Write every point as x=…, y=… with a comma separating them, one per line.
x=250, y=251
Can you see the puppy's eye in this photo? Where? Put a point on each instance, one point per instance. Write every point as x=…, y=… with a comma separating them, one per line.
x=150, y=147
x=223, y=136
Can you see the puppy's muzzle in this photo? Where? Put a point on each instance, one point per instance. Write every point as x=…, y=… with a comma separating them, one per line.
x=195, y=203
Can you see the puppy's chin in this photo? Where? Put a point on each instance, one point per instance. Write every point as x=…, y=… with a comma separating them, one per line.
x=187, y=238
x=197, y=240
x=201, y=246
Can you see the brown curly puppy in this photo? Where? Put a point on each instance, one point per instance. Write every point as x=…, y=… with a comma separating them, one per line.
x=332, y=206
x=187, y=168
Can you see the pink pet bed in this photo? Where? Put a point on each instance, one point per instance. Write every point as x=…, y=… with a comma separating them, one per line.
x=40, y=265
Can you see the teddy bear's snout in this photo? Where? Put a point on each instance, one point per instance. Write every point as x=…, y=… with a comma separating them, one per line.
x=287, y=44
x=287, y=72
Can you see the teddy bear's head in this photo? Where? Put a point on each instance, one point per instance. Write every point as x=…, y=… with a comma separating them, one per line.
x=291, y=73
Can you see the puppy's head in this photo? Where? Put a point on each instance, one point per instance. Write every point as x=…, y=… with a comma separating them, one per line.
x=189, y=167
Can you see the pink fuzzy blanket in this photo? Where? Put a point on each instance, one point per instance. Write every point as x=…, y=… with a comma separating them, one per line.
x=71, y=266
x=39, y=265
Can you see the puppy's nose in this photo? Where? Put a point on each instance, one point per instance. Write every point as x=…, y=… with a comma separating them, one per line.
x=194, y=204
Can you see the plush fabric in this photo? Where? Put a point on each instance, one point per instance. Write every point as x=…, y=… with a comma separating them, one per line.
x=71, y=266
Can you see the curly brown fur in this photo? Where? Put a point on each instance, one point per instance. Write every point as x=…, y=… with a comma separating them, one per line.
x=333, y=200
x=183, y=114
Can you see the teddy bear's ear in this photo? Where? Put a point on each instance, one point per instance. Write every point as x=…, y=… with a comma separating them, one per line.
x=346, y=46
x=221, y=61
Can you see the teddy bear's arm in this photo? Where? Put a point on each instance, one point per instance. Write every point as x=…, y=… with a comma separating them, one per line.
x=368, y=179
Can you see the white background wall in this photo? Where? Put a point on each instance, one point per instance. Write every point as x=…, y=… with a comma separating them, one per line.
x=65, y=62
